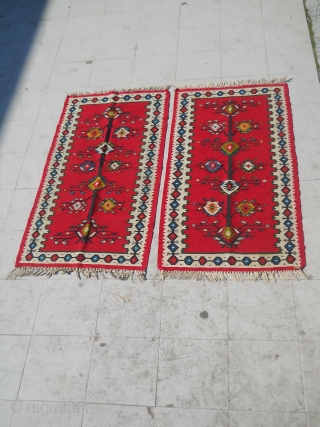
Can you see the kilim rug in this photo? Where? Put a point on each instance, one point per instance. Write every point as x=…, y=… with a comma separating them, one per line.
x=95, y=208
x=231, y=206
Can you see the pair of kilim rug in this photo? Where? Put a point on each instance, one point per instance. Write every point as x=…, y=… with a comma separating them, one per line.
x=230, y=207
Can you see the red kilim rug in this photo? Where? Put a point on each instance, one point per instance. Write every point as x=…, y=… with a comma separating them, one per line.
x=231, y=206
x=95, y=208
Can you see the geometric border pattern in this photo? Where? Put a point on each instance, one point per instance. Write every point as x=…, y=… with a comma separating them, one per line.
x=144, y=202
x=285, y=177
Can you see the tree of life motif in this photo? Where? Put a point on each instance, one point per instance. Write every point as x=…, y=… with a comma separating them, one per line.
x=89, y=228
x=222, y=229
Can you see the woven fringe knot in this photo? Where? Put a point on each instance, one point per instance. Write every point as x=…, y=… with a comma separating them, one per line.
x=190, y=85
x=237, y=276
x=81, y=273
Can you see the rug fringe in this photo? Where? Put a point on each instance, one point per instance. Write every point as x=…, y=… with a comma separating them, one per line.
x=233, y=83
x=116, y=91
x=81, y=273
x=187, y=86
x=238, y=276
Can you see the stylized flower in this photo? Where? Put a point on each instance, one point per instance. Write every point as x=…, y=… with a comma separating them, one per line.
x=77, y=205
x=104, y=148
x=212, y=208
x=96, y=184
x=94, y=133
x=114, y=165
x=229, y=186
x=213, y=165
x=87, y=166
x=229, y=147
x=230, y=109
x=108, y=205
x=248, y=165
x=228, y=232
x=122, y=132
x=244, y=126
x=112, y=112
x=246, y=208
x=215, y=127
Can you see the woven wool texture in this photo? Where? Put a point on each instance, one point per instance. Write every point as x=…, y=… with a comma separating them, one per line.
x=231, y=205
x=95, y=208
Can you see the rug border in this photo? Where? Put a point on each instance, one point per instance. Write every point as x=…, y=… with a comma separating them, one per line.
x=25, y=269
x=282, y=272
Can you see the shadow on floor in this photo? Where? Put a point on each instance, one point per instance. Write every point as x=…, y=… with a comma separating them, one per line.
x=19, y=21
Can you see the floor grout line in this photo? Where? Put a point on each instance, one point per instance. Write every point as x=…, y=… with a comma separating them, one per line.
x=26, y=359
x=228, y=356
x=220, y=48
x=159, y=406
x=95, y=51
x=156, y=336
x=92, y=349
x=137, y=42
x=300, y=354
x=177, y=50
x=264, y=37
x=159, y=348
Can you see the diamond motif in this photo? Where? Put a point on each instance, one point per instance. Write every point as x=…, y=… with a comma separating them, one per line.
x=96, y=184
x=94, y=133
x=122, y=132
x=229, y=186
x=215, y=127
x=245, y=208
x=104, y=148
x=87, y=166
x=77, y=205
x=108, y=205
x=230, y=109
x=213, y=165
x=248, y=166
x=212, y=208
x=230, y=147
x=228, y=232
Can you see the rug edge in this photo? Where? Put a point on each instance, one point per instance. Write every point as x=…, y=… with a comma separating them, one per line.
x=21, y=270
x=233, y=83
x=81, y=273
x=237, y=276
x=285, y=273
x=122, y=90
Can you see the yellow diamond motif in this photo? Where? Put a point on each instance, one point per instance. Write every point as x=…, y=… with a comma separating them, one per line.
x=94, y=133
x=85, y=229
x=246, y=208
x=244, y=126
x=230, y=147
x=230, y=109
x=96, y=184
x=108, y=205
x=228, y=232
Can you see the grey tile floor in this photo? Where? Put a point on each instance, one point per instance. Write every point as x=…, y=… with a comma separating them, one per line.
x=72, y=353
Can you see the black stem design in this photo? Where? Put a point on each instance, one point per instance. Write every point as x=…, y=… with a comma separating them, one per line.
x=101, y=162
x=228, y=216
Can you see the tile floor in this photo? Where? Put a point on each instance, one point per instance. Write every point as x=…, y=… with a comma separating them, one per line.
x=72, y=354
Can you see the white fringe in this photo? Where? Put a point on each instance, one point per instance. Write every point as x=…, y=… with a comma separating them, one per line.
x=186, y=86
x=116, y=91
x=233, y=83
x=86, y=273
x=238, y=276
